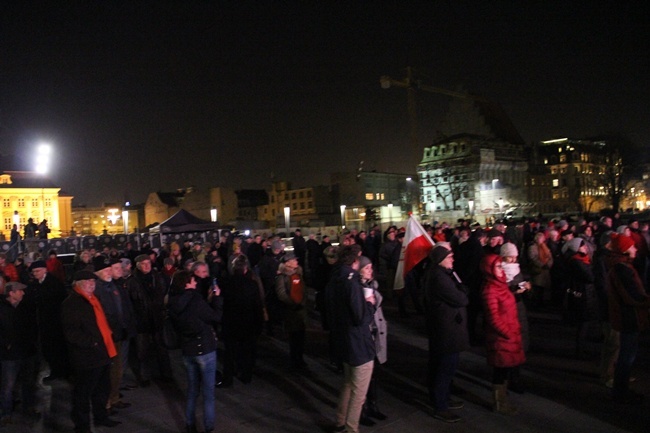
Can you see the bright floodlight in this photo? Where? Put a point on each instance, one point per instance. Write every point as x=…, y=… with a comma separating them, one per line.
x=43, y=158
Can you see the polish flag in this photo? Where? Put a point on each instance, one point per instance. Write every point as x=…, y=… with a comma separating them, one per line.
x=415, y=248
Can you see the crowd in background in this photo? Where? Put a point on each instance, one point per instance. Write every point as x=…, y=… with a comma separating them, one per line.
x=474, y=288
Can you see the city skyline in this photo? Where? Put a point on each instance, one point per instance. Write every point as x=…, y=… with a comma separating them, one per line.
x=144, y=97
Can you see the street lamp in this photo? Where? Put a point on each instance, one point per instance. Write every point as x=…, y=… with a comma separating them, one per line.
x=342, y=216
x=287, y=217
x=213, y=214
x=125, y=220
x=470, y=203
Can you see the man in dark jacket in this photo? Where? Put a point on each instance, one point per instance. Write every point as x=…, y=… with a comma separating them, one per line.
x=299, y=247
x=91, y=348
x=119, y=314
x=48, y=293
x=446, y=316
x=147, y=292
x=350, y=315
x=18, y=335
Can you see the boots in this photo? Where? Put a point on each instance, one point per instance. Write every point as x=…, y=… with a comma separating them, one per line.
x=501, y=404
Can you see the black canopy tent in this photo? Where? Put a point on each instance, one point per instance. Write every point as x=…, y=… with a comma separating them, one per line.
x=183, y=222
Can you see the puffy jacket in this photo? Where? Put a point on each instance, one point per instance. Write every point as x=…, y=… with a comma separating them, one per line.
x=503, y=331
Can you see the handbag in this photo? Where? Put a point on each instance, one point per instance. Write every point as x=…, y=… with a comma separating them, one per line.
x=170, y=337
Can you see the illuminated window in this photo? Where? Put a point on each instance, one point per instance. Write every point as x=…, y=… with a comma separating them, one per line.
x=556, y=183
x=34, y=202
x=8, y=223
x=369, y=196
x=21, y=202
x=6, y=202
x=563, y=157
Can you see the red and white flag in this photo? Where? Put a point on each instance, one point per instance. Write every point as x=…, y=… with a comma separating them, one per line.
x=415, y=248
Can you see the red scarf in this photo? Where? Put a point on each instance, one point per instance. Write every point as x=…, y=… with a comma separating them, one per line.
x=102, y=323
x=584, y=258
x=297, y=289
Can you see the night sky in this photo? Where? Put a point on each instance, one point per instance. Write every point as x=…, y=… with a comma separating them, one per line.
x=144, y=96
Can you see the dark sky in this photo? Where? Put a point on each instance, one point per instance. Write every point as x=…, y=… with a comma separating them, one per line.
x=144, y=96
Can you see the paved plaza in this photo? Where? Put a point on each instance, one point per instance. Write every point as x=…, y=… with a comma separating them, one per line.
x=279, y=401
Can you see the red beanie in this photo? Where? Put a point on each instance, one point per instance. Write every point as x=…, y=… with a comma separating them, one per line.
x=621, y=243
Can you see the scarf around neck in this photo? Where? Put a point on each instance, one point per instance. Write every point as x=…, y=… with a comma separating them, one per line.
x=102, y=323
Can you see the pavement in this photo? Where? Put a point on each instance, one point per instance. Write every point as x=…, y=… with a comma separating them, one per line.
x=563, y=396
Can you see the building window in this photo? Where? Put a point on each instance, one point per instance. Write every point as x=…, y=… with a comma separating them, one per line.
x=310, y=205
x=302, y=205
x=293, y=195
x=556, y=183
x=369, y=196
x=34, y=202
x=21, y=202
x=308, y=194
x=301, y=194
x=6, y=202
x=294, y=206
x=286, y=196
x=563, y=157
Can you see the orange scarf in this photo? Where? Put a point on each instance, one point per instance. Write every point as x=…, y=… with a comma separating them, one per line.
x=297, y=289
x=544, y=253
x=102, y=323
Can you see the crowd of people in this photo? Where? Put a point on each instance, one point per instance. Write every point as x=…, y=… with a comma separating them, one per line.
x=227, y=294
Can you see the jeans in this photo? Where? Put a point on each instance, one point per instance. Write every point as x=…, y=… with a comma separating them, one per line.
x=201, y=371
x=353, y=395
x=11, y=371
x=626, y=356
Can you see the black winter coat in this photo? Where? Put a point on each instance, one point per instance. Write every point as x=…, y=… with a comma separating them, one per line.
x=243, y=313
x=446, y=313
x=86, y=347
x=18, y=331
x=349, y=318
x=194, y=320
x=582, y=299
x=147, y=293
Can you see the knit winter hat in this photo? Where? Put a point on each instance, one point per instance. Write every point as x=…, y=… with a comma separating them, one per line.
x=438, y=254
x=509, y=250
x=575, y=244
x=621, y=243
x=363, y=262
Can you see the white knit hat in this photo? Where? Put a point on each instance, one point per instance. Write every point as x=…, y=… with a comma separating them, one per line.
x=509, y=250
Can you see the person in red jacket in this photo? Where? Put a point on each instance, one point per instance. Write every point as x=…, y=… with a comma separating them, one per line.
x=8, y=269
x=503, y=341
x=54, y=266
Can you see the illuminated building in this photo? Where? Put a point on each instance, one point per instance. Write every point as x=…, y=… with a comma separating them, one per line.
x=26, y=194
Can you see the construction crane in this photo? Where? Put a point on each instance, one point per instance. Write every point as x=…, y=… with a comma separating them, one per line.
x=411, y=84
